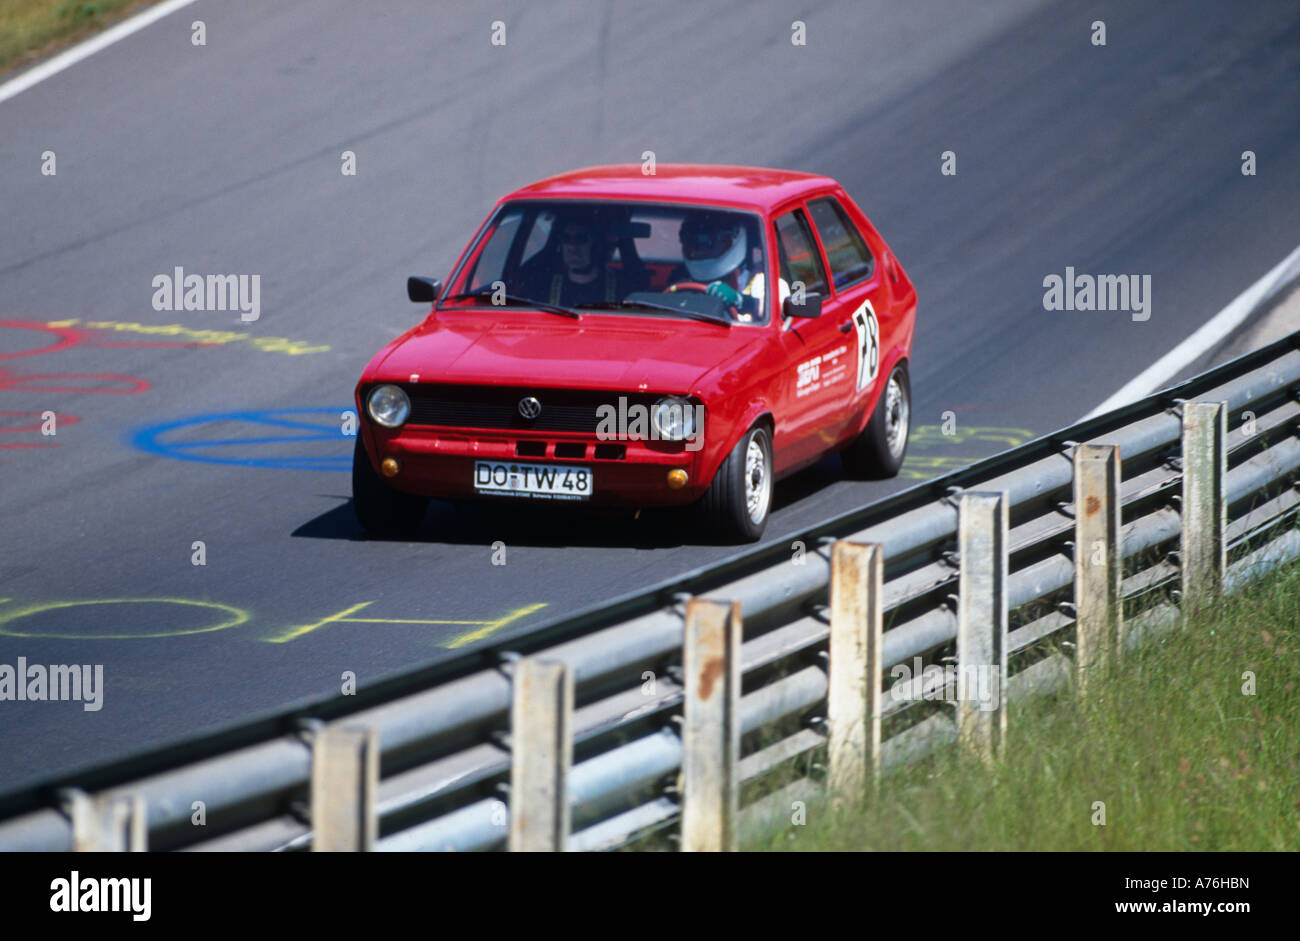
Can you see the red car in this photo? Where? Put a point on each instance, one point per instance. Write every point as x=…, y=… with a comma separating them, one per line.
x=644, y=339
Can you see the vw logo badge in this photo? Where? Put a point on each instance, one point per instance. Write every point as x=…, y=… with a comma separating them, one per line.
x=529, y=407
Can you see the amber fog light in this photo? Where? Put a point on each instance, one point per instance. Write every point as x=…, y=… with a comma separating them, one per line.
x=390, y=467
x=676, y=479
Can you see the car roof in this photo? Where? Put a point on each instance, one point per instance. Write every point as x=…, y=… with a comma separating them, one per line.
x=756, y=188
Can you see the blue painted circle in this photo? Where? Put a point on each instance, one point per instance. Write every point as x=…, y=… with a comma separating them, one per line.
x=252, y=450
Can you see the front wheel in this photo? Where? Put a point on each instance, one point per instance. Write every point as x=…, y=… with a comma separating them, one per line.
x=740, y=497
x=381, y=510
x=879, y=450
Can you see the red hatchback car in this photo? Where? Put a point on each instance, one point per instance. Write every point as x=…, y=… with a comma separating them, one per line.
x=617, y=337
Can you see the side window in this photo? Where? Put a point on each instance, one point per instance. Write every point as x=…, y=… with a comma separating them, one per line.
x=799, y=252
x=846, y=251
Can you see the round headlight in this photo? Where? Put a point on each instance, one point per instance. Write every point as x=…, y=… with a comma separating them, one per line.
x=389, y=406
x=674, y=418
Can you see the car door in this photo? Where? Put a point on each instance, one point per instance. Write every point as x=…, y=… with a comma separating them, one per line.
x=818, y=352
x=858, y=299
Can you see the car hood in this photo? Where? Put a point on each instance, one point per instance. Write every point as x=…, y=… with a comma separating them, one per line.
x=601, y=351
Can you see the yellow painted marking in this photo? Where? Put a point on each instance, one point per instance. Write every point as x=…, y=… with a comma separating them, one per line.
x=925, y=435
x=265, y=344
x=493, y=626
x=406, y=621
x=482, y=627
x=237, y=616
x=925, y=466
x=294, y=633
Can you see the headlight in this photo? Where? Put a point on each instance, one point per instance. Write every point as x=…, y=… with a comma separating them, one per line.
x=674, y=418
x=389, y=406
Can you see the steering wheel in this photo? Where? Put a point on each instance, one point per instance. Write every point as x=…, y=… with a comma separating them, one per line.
x=703, y=289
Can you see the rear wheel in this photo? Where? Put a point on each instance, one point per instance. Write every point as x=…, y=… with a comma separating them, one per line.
x=381, y=510
x=881, y=447
x=740, y=497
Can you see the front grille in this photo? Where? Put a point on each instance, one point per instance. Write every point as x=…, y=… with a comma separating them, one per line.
x=571, y=449
x=489, y=407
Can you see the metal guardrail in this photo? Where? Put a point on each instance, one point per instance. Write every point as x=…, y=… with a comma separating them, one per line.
x=1200, y=494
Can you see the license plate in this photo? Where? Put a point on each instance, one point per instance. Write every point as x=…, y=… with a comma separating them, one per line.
x=536, y=481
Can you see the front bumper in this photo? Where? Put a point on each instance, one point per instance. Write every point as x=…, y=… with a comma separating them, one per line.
x=440, y=463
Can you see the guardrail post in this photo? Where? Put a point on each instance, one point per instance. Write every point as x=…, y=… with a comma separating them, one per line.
x=982, y=527
x=1098, y=603
x=854, y=698
x=541, y=751
x=106, y=824
x=344, y=779
x=1203, y=552
x=711, y=727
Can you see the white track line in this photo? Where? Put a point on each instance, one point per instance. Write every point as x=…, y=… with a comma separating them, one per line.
x=88, y=48
x=1195, y=346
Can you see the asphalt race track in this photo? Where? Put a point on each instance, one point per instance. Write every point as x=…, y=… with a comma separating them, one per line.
x=226, y=158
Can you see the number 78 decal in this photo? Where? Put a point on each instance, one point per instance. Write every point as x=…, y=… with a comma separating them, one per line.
x=864, y=322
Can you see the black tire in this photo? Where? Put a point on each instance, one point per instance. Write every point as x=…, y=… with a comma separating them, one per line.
x=877, y=453
x=725, y=504
x=381, y=510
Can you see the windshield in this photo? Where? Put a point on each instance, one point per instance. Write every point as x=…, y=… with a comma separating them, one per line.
x=593, y=256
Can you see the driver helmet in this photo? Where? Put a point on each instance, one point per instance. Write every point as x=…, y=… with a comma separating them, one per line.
x=713, y=245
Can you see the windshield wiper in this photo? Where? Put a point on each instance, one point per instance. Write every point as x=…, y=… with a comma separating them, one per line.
x=515, y=299
x=692, y=314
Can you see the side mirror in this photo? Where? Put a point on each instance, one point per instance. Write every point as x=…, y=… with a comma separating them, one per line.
x=810, y=308
x=423, y=290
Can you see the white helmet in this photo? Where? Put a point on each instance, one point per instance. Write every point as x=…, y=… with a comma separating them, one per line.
x=728, y=259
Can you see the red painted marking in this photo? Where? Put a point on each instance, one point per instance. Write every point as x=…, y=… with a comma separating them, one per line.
x=61, y=417
x=70, y=336
x=66, y=337
x=22, y=383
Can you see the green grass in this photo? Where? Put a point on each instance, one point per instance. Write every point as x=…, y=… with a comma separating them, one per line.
x=1180, y=757
x=33, y=29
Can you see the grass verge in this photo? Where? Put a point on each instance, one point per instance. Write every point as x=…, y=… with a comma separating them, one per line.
x=34, y=29
x=1174, y=749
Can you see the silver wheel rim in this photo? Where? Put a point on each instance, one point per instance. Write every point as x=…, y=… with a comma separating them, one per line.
x=897, y=415
x=757, y=485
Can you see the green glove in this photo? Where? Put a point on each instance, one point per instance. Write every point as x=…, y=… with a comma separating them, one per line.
x=725, y=291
